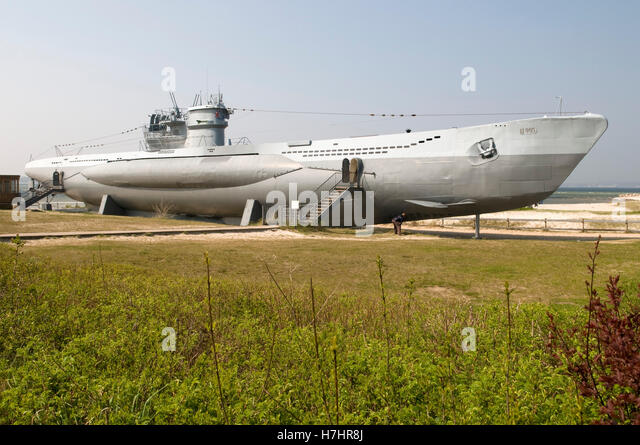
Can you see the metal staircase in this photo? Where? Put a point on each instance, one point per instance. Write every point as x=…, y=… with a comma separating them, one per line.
x=44, y=190
x=330, y=193
x=326, y=203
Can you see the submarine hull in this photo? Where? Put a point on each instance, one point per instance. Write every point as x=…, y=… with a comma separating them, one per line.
x=434, y=174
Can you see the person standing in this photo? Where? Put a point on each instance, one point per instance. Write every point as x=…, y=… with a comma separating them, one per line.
x=397, y=223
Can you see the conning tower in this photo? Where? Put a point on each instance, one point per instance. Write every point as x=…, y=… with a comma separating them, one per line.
x=206, y=123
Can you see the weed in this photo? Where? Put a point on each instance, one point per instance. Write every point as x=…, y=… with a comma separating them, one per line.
x=213, y=338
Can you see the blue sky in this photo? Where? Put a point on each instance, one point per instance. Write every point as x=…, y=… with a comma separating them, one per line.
x=73, y=70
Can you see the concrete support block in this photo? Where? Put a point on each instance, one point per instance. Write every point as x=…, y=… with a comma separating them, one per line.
x=109, y=207
x=252, y=212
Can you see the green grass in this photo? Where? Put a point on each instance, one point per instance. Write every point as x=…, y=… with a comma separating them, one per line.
x=48, y=222
x=81, y=330
x=540, y=270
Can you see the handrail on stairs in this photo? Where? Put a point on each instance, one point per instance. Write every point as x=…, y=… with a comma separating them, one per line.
x=339, y=174
x=44, y=189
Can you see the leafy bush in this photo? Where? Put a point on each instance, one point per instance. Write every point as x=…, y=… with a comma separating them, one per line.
x=603, y=355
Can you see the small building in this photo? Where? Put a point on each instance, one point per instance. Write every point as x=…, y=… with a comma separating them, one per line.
x=9, y=189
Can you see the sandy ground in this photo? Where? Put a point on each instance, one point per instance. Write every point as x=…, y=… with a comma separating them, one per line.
x=533, y=234
x=564, y=211
x=274, y=234
x=143, y=239
x=410, y=234
x=429, y=229
x=606, y=215
x=600, y=210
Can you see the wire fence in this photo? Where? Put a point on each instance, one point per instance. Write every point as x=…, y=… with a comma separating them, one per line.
x=625, y=225
x=58, y=205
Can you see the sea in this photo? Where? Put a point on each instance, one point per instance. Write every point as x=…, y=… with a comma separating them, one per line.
x=587, y=195
x=564, y=195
